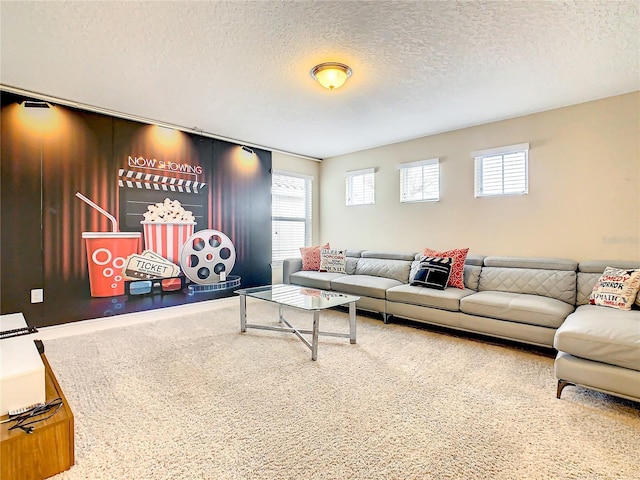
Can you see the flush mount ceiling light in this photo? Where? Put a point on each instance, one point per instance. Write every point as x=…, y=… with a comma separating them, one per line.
x=331, y=75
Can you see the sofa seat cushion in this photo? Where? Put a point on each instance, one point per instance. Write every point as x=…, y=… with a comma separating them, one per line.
x=447, y=299
x=364, y=285
x=321, y=280
x=602, y=334
x=517, y=307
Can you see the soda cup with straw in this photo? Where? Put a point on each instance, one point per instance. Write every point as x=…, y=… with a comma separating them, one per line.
x=107, y=253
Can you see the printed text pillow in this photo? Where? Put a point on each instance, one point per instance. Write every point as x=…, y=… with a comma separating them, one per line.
x=333, y=260
x=616, y=288
x=311, y=257
x=459, y=255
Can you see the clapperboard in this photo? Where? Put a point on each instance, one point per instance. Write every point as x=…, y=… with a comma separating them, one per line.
x=138, y=190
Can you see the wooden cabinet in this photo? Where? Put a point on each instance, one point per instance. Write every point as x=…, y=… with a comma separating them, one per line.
x=45, y=452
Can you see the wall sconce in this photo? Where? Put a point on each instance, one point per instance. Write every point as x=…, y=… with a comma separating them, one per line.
x=35, y=104
x=39, y=117
x=331, y=75
x=245, y=160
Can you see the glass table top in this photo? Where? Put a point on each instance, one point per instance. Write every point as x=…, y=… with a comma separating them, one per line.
x=299, y=297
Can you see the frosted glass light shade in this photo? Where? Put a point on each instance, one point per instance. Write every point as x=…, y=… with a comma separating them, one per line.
x=331, y=75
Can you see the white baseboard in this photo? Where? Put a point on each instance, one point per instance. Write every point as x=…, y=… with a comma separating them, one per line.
x=97, y=324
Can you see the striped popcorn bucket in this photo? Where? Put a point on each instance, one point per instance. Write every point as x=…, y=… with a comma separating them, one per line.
x=167, y=239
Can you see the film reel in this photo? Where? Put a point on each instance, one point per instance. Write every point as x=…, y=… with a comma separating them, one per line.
x=206, y=255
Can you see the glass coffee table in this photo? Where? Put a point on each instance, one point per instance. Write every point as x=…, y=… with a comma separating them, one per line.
x=309, y=299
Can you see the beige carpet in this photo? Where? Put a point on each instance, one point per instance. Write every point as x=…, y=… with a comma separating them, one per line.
x=193, y=398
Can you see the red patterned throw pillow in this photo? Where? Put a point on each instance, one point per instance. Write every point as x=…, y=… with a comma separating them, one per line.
x=459, y=255
x=311, y=257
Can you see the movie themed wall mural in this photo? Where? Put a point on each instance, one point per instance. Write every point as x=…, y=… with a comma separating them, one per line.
x=110, y=216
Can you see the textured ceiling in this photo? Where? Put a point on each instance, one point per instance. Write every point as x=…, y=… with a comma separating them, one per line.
x=241, y=69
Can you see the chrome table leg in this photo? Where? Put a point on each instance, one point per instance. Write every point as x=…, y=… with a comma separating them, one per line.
x=243, y=313
x=352, y=322
x=314, y=338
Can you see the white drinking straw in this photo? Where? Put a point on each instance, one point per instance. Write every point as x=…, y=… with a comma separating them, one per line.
x=114, y=222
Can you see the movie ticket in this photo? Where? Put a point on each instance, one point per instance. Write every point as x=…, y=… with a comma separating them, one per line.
x=149, y=266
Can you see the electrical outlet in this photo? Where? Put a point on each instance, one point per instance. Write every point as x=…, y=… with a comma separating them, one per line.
x=37, y=295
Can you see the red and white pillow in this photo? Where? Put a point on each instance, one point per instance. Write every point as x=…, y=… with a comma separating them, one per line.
x=459, y=255
x=311, y=257
x=616, y=288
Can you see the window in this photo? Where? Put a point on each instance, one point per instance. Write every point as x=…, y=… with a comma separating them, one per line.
x=502, y=171
x=420, y=181
x=290, y=214
x=360, y=187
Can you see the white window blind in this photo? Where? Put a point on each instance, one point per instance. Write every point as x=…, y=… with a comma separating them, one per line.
x=502, y=171
x=420, y=181
x=360, y=187
x=290, y=214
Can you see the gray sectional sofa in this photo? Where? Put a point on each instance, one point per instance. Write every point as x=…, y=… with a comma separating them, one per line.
x=599, y=347
x=528, y=300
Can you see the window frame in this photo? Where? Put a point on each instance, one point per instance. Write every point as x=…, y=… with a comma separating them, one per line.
x=307, y=220
x=368, y=198
x=404, y=168
x=482, y=156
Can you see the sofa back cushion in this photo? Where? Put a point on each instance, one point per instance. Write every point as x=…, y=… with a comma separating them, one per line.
x=553, y=278
x=586, y=282
x=393, y=265
x=350, y=265
x=388, y=255
x=472, y=276
x=532, y=262
x=589, y=273
x=352, y=261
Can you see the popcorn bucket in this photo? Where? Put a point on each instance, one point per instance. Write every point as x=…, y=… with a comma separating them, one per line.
x=166, y=239
x=106, y=256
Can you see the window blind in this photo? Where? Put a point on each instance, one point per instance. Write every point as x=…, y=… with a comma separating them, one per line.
x=291, y=214
x=502, y=171
x=420, y=181
x=360, y=187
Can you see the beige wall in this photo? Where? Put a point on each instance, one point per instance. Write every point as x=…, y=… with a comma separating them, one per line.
x=289, y=163
x=583, y=201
